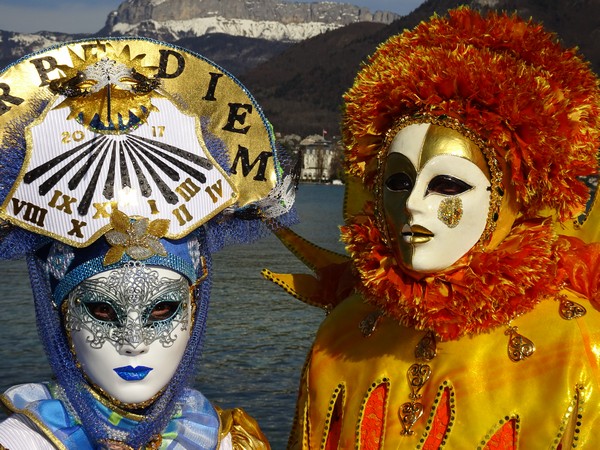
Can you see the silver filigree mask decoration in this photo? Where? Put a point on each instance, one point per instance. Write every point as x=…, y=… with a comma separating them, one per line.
x=131, y=306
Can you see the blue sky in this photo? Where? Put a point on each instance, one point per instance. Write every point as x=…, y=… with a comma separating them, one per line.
x=88, y=16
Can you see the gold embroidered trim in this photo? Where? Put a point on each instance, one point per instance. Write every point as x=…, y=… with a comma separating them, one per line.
x=41, y=426
x=500, y=424
x=301, y=416
x=333, y=405
x=570, y=427
x=340, y=389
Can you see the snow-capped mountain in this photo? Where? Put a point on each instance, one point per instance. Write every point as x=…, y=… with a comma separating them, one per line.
x=275, y=20
x=236, y=33
x=16, y=45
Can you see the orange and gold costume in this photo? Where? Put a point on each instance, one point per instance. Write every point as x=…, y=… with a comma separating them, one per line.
x=500, y=350
x=485, y=391
x=476, y=397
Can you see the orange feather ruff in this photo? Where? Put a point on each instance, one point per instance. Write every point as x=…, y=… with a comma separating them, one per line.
x=483, y=290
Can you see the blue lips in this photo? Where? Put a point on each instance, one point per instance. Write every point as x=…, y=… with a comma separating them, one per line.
x=129, y=373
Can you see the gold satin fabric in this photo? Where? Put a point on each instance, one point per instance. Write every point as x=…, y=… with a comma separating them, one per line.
x=539, y=391
x=245, y=432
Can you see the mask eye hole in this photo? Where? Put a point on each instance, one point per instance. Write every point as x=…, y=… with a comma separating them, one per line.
x=447, y=185
x=399, y=182
x=164, y=310
x=102, y=311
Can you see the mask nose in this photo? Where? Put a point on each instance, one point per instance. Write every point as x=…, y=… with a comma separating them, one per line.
x=414, y=204
x=133, y=342
x=129, y=349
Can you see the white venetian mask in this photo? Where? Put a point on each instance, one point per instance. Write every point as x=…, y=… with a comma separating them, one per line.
x=436, y=196
x=129, y=328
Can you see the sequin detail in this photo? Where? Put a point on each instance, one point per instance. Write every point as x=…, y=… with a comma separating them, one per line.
x=59, y=259
x=194, y=252
x=450, y=211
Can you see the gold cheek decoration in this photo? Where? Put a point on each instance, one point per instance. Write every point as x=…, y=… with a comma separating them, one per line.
x=450, y=211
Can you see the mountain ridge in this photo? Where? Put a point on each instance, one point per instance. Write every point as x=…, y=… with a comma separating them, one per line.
x=263, y=19
x=236, y=35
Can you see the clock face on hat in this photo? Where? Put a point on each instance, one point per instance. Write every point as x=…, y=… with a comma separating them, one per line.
x=146, y=172
x=133, y=125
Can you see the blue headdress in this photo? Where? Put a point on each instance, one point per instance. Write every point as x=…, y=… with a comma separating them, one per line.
x=130, y=149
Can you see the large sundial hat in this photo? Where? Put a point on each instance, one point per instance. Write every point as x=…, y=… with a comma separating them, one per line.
x=129, y=149
x=134, y=125
x=119, y=146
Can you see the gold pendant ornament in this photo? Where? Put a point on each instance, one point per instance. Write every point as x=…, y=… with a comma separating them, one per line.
x=410, y=413
x=417, y=375
x=569, y=310
x=368, y=325
x=519, y=347
x=426, y=349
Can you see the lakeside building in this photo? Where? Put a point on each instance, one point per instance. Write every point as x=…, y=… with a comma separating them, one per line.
x=320, y=158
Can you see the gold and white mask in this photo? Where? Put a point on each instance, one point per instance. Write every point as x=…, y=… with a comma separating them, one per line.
x=435, y=196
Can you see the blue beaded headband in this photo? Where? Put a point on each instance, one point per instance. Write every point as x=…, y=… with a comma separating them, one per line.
x=95, y=266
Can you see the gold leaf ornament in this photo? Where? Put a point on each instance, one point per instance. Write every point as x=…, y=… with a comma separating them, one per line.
x=159, y=227
x=138, y=238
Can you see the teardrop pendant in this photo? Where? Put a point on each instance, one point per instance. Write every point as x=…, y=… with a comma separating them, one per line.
x=519, y=347
x=570, y=310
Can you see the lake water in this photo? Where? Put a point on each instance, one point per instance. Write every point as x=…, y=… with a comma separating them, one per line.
x=257, y=335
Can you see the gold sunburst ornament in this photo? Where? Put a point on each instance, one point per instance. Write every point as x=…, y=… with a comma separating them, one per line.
x=104, y=93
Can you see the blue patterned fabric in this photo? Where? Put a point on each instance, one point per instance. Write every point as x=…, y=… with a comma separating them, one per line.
x=195, y=424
